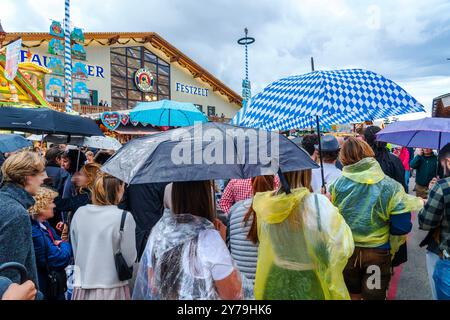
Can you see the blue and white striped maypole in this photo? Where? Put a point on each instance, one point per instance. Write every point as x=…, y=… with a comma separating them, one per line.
x=67, y=58
x=246, y=86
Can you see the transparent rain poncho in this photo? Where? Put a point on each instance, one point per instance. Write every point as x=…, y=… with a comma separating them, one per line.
x=171, y=268
x=366, y=197
x=304, y=247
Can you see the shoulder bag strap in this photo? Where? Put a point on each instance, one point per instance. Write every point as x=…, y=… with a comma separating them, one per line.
x=122, y=225
x=122, y=221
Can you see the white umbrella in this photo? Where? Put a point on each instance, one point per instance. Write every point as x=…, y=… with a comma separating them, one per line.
x=100, y=142
x=35, y=137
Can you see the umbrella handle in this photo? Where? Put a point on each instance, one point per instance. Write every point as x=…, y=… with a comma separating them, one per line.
x=18, y=267
x=322, y=174
x=284, y=182
x=439, y=149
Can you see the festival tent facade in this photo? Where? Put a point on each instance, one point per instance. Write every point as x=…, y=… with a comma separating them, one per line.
x=122, y=69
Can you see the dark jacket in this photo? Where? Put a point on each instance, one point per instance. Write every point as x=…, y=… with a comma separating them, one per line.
x=47, y=253
x=58, y=177
x=425, y=168
x=146, y=204
x=391, y=166
x=72, y=204
x=16, y=243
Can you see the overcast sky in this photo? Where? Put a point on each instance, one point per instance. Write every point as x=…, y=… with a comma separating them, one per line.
x=407, y=41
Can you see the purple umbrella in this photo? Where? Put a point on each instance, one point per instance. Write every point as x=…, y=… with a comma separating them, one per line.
x=432, y=133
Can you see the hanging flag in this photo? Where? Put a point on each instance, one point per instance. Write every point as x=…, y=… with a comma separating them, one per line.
x=12, y=59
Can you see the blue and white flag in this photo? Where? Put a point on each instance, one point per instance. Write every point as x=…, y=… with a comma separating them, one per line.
x=12, y=59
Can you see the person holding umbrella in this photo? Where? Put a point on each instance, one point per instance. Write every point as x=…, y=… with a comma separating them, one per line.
x=186, y=257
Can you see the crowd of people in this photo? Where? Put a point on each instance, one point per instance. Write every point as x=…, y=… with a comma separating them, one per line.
x=85, y=235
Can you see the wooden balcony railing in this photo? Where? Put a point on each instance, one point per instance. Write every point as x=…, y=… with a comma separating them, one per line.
x=81, y=109
x=218, y=119
x=84, y=109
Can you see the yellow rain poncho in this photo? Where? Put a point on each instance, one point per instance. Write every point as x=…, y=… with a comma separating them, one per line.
x=304, y=245
x=366, y=197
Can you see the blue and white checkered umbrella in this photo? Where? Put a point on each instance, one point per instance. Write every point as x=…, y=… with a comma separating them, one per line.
x=339, y=96
x=237, y=119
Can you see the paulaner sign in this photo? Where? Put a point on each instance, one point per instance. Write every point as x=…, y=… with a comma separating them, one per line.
x=144, y=80
x=92, y=70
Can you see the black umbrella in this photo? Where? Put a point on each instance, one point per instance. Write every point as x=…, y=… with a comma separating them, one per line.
x=206, y=152
x=297, y=141
x=45, y=120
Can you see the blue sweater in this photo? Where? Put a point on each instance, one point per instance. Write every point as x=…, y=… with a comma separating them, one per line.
x=400, y=224
x=57, y=257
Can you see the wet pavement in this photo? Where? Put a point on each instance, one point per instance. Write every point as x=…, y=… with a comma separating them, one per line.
x=413, y=283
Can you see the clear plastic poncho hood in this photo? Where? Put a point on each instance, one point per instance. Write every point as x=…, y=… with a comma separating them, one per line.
x=170, y=268
x=300, y=232
x=366, y=197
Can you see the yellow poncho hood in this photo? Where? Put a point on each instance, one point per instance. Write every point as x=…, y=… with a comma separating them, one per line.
x=367, y=171
x=276, y=208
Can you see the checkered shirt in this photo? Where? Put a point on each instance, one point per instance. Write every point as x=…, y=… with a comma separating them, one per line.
x=436, y=212
x=238, y=190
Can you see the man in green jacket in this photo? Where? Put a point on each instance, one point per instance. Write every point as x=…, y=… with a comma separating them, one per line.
x=425, y=163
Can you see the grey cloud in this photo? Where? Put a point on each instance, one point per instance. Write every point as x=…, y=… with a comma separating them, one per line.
x=404, y=40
